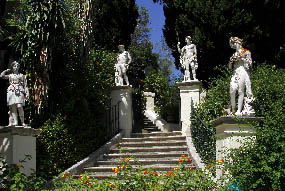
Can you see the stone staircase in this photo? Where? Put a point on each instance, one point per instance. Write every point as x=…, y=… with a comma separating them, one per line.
x=151, y=148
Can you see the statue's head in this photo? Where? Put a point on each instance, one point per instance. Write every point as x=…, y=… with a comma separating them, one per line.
x=121, y=47
x=234, y=40
x=15, y=66
x=188, y=38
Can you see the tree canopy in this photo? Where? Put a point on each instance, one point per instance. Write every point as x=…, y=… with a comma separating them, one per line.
x=260, y=23
x=114, y=21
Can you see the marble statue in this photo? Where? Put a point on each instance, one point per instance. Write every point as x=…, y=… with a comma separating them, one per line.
x=123, y=61
x=241, y=63
x=188, y=58
x=17, y=93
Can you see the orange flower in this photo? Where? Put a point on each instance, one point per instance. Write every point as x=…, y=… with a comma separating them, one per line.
x=62, y=176
x=221, y=161
x=208, y=165
x=182, y=156
x=81, y=182
x=154, y=173
x=145, y=172
x=54, y=167
x=67, y=173
x=180, y=160
x=116, y=170
x=99, y=176
x=188, y=159
x=123, y=166
x=90, y=184
x=174, y=174
x=127, y=159
x=118, y=166
x=168, y=173
x=175, y=168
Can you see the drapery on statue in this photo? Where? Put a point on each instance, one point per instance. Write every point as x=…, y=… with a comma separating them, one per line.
x=188, y=58
x=240, y=62
x=123, y=61
x=17, y=93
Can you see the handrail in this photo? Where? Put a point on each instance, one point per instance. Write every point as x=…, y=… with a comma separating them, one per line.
x=203, y=137
x=112, y=119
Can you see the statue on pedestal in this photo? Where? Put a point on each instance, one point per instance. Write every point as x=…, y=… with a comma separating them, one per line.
x=17, y=93
x=241, y=63
x=123, y=61
x=188, y=58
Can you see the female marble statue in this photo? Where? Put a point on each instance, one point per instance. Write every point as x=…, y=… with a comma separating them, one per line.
x=240, y=62
x=123, y=61
x=17, y=92
x=188, y=58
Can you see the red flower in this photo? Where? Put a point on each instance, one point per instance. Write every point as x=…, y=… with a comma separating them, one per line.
x=54, y=167
x=188, y=159
x=145, y=172
x=155, y=173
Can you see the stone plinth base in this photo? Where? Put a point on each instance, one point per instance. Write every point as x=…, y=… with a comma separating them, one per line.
x=189, y=91
x=231, y=133
x=16, y=143
x=123, y=94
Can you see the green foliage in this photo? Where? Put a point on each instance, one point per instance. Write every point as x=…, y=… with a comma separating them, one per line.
x=212, y=23
x=141, y=50
x=12, y=179
x=217, y=98
x=166, y=96
x=258, y=165
x=119, y=18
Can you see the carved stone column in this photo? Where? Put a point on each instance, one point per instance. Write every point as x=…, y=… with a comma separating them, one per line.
x=16, y=143
x=231, y=133
x=124, y=95
x=189, y=91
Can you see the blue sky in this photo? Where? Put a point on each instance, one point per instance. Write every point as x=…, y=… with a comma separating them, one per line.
x=156, y=20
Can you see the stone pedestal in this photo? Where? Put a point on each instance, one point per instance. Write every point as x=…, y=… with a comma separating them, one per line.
x=189, y=91
x=124, y=95
x=149, y=100
x=231, y=133
x=16, y=143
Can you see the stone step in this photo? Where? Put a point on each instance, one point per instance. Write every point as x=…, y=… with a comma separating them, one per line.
x=152, y=149
x=141, y=161
x=152, y=144
x=155, y=134
x=157, y=155
x=160, y=138
x=153, y=167
x=151, y=129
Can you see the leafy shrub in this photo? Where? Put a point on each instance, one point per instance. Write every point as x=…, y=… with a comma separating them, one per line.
x=166, y=96
x=12, y=179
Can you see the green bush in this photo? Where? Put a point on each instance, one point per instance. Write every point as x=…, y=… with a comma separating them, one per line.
x=166, y=96
x=12, y=179
x=258, y=165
